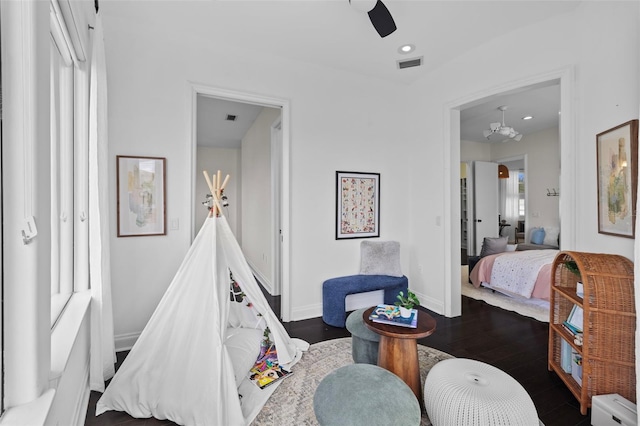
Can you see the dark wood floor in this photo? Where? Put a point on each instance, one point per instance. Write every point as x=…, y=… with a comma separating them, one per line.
x=513, y=343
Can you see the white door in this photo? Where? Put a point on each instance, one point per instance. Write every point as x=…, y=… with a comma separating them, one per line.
x=485, y=219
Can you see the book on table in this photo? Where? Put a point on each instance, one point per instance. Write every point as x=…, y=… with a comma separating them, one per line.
x=390, y=314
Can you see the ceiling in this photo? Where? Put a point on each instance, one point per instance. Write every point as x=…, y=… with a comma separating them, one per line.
x=213, y=128
x=542, y=103
x=331, y=33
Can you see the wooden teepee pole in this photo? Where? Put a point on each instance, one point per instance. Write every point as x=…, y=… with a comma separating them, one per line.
x=216, y=187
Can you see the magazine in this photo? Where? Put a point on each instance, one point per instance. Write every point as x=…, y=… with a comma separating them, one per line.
x=390, y=314
x=266, y=370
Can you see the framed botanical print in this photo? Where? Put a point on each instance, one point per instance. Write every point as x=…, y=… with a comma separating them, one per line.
x=357, y=205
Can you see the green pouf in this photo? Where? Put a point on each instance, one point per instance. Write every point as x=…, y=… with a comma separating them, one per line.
x=364, y=344
x=363, y=394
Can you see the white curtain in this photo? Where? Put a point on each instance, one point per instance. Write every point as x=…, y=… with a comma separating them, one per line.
x=636, y=258
x=509, y=203
x=102, y=363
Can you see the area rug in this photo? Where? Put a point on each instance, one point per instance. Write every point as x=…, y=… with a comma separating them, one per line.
x=292, y=402
x=533, y=308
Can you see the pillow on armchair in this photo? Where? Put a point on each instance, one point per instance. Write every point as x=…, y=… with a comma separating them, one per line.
x=493, y=246
x=380, y=258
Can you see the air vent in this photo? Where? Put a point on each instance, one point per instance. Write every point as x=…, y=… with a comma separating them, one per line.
x=409, y=63
x=231, y=117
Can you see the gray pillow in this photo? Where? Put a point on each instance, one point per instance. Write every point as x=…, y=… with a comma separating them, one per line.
x=493, y=246
x=380, y=258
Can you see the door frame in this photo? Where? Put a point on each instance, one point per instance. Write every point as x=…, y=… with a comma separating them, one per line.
x=276, y=185
x=285, y=203
x=451, y=216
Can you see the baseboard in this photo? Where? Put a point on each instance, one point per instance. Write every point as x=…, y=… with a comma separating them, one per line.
x=432, y=304
x=306, y=312
x=124, y=342
x=265, y=281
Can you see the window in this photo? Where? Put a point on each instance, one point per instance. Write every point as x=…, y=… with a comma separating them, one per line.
x=62, y=62
x=1, y=260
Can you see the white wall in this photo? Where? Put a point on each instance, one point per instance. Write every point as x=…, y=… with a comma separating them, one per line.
x=228, y=162
x=543, y=171
x=474, y=151
x=590, y=40
x=338, y=123
x=257, y=222
x=354, y=134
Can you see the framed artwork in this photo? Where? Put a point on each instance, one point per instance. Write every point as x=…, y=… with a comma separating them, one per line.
x=141, y=196
x=357, y=205
x=617, y=153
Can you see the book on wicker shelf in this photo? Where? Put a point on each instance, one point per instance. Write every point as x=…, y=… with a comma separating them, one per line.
x=390, y=314
x=575, y=318
x=565, y=356
x=266, y=370
x=573, y=330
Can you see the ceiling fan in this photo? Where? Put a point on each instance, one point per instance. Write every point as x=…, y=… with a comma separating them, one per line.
x=379, y=15
x=502, y=128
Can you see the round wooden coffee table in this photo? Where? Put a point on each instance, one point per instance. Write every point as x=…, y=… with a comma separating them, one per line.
x=398, y=349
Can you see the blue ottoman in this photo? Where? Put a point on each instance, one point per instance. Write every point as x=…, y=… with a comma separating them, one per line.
x=364, y=342
x=335, y=290
x=363, y=394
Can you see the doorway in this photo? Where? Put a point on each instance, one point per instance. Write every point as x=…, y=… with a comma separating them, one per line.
x=452, y=261
x=258, y=240
x=513, y=199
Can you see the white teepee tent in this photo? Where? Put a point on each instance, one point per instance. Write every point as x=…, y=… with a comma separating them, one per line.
x=184, y=366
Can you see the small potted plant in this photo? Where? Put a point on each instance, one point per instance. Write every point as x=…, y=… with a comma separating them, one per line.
x=407, y=303
x=572, y=266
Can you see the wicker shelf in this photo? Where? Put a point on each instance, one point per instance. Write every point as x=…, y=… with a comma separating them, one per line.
x=608, y=349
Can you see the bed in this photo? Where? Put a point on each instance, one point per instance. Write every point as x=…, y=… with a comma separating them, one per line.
x=524, y=274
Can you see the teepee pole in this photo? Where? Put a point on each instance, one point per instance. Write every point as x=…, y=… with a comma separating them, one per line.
x=217, y=190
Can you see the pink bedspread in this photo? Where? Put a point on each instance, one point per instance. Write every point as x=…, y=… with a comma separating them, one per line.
x=481, y=273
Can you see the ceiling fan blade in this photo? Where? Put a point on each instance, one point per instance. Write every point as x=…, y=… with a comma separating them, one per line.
x=382, y=20
x=518, y=137
x=487, y=133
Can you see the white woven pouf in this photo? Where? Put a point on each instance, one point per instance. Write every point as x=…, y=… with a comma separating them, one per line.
x=462, y=391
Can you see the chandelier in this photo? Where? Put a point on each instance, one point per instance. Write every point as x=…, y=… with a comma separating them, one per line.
x=502, y=129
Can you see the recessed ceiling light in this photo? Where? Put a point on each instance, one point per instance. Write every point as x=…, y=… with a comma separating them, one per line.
x=406, y=48
x=528, y=117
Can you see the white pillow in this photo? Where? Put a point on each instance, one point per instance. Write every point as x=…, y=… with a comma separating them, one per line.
x=551, y=235
x=380, y=258
x=243, y=345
